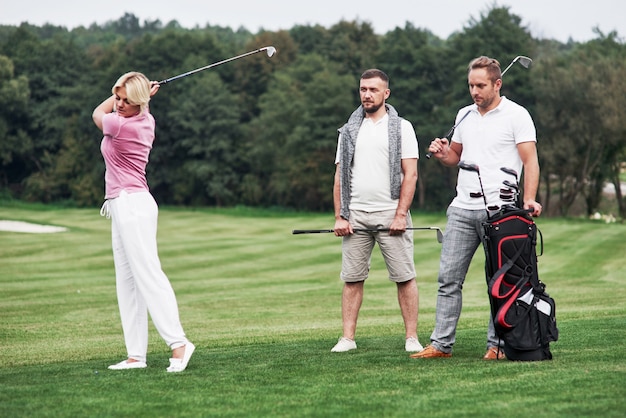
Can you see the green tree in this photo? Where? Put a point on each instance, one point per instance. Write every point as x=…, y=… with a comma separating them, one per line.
x=199, y=162
x=74, y=174
x=262, y=131
x=582, y=94
x=414, y=60
x=293, y=141
x=56, y=72
x=252, y=75
x=311, y=39
x=15, y=144
x=354, y=45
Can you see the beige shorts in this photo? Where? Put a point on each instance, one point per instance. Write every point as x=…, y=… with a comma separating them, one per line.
x=397, y=250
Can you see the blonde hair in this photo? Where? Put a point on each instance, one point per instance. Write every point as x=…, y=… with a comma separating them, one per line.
x=137, y=88
x=490, y=64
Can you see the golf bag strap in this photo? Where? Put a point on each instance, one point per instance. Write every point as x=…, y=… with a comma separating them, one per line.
x=541, y=241
x=507, y=266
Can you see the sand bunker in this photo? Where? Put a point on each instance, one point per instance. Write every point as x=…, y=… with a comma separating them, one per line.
x=29, y=228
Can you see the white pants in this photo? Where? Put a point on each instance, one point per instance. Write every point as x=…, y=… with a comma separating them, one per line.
x=142, y=286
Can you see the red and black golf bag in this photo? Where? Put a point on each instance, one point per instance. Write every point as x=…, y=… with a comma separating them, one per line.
x=523, y=313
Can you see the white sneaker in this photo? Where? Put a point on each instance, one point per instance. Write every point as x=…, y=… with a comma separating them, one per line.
x=125, y=365
x=344, y=344
x=180, y=364
x=412, y=345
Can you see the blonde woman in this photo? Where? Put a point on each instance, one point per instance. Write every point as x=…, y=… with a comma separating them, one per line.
x=142, y=287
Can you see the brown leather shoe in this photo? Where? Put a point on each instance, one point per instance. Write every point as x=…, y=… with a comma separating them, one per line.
x=494, y=353
x=430, y=352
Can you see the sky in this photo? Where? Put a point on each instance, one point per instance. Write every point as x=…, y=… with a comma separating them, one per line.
x=546, y=19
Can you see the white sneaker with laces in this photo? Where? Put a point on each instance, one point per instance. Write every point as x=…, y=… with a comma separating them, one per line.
x=125, y=365
x=412, y=345
x=344, y=344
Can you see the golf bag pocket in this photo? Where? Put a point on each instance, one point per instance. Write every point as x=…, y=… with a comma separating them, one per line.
x=535, y=328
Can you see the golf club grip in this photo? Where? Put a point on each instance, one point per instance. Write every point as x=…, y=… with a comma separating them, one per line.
x=449, y=134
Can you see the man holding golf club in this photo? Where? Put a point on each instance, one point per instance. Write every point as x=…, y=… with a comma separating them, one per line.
x=495, y=132
x=142, y=286
x=375, y=178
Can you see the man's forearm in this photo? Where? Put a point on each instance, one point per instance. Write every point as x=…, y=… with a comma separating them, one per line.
x=337, y=194
x=531, y=181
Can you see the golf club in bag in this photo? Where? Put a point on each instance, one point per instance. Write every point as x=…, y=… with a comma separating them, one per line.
x=269, y=50
x=524, y=315
x=522, y=60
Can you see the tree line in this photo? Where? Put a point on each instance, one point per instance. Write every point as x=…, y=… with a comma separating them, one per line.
x=262, y=132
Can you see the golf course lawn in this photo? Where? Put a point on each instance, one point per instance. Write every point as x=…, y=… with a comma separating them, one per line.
x=263, y=308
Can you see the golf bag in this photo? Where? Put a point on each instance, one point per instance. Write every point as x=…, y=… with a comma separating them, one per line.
x=523, y=313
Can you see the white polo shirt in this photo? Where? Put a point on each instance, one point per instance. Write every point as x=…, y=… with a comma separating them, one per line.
x=490, y=141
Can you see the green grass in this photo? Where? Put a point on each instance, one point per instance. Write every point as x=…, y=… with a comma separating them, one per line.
x=263, y=308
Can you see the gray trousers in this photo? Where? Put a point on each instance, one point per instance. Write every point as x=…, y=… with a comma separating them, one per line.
x=462, y=237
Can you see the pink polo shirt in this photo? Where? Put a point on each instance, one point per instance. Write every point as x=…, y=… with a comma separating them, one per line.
x=126, y=147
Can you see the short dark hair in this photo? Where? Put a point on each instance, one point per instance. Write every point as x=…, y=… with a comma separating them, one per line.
x=490, y=64
x=373, y=73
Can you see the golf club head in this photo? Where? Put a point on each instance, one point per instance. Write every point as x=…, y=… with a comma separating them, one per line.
x=509, y=171
x=510, y=185
x=270, y=50
x=439, y=236
x=524, y=61
x=463, y=165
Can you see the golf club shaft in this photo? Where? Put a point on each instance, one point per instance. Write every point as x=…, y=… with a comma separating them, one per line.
x=526, y=63
x=464, y=165
x=447, y=136
x=324, y=231
x=269, y=49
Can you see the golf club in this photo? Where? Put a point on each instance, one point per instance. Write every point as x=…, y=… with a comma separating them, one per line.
x=510, y=197
x=523, y=61
x=509, y=171
x=515, y=186
x=507, y=195
x=270, y=50
x=325, y=231
x=447, y=136
x=511, y=185
x=463, y=165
